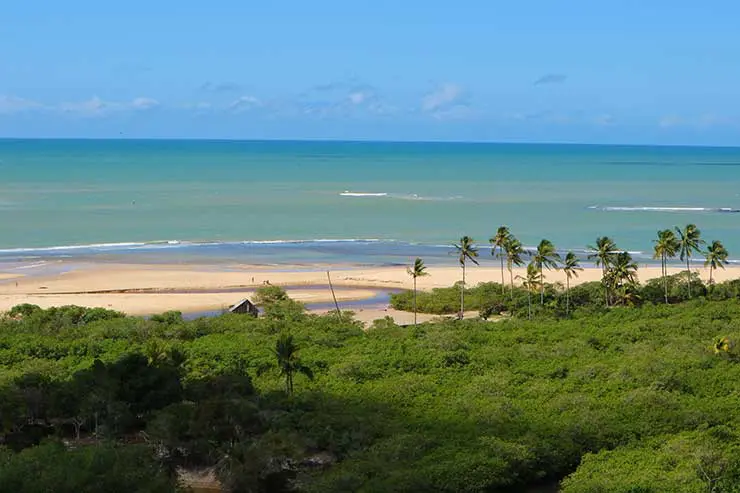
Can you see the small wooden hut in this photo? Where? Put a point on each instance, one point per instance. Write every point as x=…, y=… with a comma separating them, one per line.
x=245, y=307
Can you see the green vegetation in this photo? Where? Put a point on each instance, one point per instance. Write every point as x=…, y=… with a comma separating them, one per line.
x=624, y=399
x=559, y=301
x=604, y=386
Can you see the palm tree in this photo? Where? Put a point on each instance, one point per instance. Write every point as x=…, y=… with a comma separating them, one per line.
x=288, y=362
x=623, y=273
x=499, y=241
x=723, y=345
x=530, y=283
x=666, y=247
x=545, y=257
x=604, y=253
x=570, y=268
x=466, y=250
x=716, y=256
x=514, y=252
x=689, y=241
x=417, y=270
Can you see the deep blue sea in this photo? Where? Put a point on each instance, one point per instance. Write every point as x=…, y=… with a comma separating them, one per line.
x=348, y=202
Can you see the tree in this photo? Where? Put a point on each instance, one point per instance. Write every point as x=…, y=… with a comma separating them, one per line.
x=545, y=257
x=666, y=246
x=107, y=467
x=622, y=275
x=417, y=270
x=286, y=353
x=570, y=268
x=716, y=256
x=499, y=241
x=531, y=284
x=269, y=295
x=689, y=241
x=466, y=250
x=514, y=252
x=603, y=253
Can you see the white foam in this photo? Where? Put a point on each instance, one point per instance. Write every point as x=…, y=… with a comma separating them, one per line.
x=31, y=266
x=347, y=193
x=316, y=240
x=663, y=209
x=98, y=246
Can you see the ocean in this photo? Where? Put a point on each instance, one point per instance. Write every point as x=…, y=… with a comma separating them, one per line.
x=377, y=203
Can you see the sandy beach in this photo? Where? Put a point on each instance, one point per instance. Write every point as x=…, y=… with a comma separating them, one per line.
x=139, y=289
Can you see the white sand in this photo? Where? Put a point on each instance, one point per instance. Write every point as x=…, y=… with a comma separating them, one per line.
x=147, y=289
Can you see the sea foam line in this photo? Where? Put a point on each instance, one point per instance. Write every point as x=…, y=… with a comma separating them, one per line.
x=398, y=196
x=182, y=244
x=663, y=209
x=347, y=193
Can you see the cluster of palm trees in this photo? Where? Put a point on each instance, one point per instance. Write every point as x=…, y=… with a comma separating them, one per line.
x=510, y=251
x=619, y=270
x=684, y=243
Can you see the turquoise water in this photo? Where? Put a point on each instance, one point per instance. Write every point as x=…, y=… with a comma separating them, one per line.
x=189, y=200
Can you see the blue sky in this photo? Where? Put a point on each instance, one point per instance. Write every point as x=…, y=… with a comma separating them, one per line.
x=632, y=71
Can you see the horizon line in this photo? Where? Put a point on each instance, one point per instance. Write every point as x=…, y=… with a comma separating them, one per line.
x=368, y=141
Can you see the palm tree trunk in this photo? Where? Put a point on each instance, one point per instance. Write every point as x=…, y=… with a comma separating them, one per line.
x=542, y=287
x=664, y=261
x=711, y=270
x=606, y=288
x=567, y=294
x=462, y=293
x=529, y=304
x=414, y=300
x=503, y=283
x=511, y=277
x=688, y=273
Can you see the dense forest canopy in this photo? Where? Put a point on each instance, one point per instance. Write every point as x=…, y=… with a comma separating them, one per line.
x=619, y=399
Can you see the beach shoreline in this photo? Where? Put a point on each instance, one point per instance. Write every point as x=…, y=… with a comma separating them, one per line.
x=145, y=289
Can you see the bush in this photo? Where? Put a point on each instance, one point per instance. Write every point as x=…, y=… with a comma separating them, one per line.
x=87, y=469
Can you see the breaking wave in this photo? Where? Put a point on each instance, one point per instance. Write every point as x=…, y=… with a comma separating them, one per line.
x=664, y=209
x=398, y=196
x=347, y=193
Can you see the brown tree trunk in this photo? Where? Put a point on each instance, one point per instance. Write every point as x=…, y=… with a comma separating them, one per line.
x=462, y=293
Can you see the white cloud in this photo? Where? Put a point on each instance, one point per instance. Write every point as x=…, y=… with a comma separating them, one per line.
x=95, y=107
x=358, y=97
x=549, y=117
x=221, y=87
x=454, y=112
x=13, y=104
x=91, y=107
x=244, y=103
x=444, y=97
x=144, y=103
